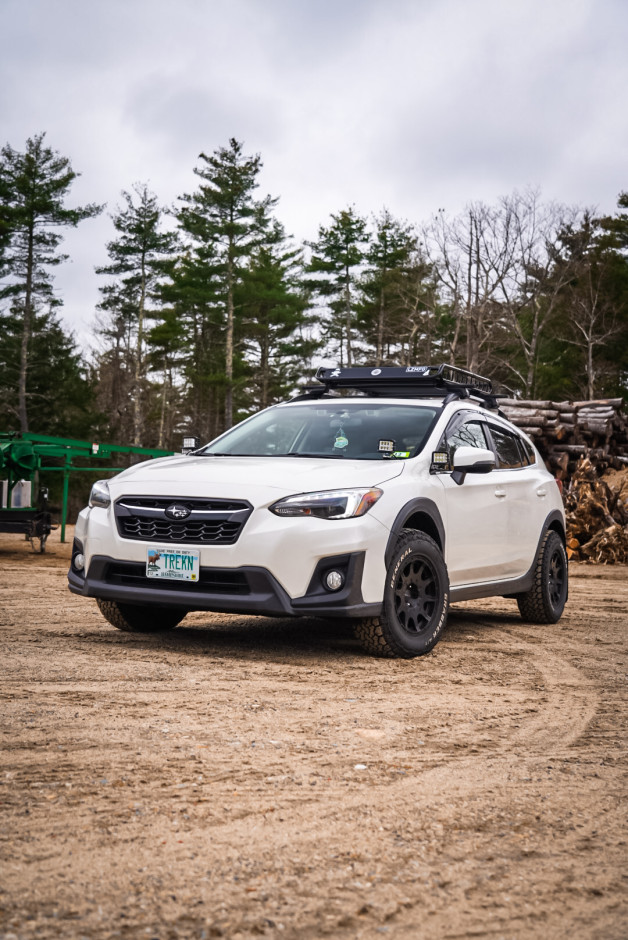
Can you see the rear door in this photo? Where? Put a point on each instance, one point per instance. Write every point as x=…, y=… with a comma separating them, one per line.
x=523, y=490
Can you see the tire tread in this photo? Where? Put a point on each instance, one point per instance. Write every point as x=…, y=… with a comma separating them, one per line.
x=140, y=620
x=532, y=605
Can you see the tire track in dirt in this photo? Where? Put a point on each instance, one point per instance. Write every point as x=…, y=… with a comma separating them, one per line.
x=490, y=803
x=567, y=692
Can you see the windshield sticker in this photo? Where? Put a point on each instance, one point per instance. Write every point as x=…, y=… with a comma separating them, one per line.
x=401, y=453
x=387, y=446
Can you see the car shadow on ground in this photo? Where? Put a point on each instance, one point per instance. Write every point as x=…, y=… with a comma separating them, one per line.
x=267, y=637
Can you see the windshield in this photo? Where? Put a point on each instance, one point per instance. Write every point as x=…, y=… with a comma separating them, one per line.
x=334, y=430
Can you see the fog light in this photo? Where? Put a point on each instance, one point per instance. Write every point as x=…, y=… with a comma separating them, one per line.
x=334, y=580
x=79, y=561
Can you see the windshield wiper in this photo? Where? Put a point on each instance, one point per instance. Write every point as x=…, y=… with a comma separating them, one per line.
x=297, y=453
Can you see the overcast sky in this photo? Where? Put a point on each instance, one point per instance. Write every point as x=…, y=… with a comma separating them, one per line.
x=415, y=105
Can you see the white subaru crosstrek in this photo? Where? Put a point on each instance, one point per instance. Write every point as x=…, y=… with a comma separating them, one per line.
x=380, y=495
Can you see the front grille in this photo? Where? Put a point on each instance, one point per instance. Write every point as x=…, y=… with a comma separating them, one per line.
x=210, y=521
x=213, y=580
x=153, y=530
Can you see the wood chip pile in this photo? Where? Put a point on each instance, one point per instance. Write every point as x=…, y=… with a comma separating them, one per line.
x=585, y=445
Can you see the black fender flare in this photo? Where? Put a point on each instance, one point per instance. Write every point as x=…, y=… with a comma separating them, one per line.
x=554, y=516
x=426, y=507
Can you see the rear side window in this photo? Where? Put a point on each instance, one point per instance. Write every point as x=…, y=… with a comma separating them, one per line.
x=509, y=455
x=528, y=450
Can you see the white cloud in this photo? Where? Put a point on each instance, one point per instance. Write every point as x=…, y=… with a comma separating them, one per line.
x=415, y=104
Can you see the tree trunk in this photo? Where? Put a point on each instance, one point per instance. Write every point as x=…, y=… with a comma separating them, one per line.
x=531, y=351
x=348, y=318
x=264, y=367
x=137, y=411
x=162, y=417
x=26, y=333
x=380, y=329
x=590, y=375
x=229, y=344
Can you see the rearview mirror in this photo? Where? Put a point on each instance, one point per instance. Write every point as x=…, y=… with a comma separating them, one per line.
x=472, y=460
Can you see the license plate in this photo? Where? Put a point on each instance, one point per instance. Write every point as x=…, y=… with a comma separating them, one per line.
x=178, y=564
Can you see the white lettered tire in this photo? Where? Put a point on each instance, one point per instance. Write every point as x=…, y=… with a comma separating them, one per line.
x=416, y=601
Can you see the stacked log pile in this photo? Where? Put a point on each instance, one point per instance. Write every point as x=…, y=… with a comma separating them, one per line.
x=585, y=445
x=566, y=431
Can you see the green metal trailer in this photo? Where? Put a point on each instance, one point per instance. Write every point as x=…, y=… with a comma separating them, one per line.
x=23, y=456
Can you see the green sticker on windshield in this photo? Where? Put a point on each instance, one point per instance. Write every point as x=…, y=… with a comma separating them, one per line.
x=401, y=453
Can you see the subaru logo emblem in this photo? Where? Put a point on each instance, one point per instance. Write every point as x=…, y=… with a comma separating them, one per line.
x=177, y=511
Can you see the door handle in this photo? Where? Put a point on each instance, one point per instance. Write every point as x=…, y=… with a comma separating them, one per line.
x=500, y=493
x=541, y=491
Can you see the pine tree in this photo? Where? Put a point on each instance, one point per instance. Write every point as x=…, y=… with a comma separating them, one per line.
x=223, y=213
x=613, y=240
x=33, y=189
x=61, y=398
x=165, y=352
x=338, y=255
x=194, y=294
x=388, y=259
x=274, y=301
x=592, y=314
x=137, y=256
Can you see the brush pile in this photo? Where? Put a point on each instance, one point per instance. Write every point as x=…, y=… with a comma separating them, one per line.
x=597, y=515
x=585, y=445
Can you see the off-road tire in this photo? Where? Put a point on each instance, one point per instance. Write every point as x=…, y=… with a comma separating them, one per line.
x=416, y=601
x=545, y=601
x=134, y=618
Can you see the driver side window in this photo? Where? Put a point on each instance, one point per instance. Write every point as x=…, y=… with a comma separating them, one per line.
x=470, y=434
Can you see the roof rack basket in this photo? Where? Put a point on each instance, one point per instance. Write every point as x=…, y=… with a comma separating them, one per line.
x=440, y=381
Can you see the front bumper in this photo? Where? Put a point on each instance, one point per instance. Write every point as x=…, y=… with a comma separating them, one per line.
x=245, y=590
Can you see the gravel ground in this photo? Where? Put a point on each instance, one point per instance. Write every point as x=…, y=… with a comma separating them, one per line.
x=241, y=777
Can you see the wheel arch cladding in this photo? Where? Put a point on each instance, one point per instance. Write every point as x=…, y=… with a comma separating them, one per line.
x=555, y=522
x=420, y=514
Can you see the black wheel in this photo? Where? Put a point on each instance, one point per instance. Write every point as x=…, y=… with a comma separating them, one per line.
x=133, y=618
x=416, y=601
x=545, y=601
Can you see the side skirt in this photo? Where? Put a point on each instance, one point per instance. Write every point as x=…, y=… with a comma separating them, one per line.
x=470, y=592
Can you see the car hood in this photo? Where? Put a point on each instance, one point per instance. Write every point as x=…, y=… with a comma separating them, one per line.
x=252, y=478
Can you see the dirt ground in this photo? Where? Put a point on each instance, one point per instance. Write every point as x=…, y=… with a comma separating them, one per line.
x=240, y=777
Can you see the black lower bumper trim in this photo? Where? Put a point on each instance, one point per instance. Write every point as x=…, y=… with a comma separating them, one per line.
x=245, y=590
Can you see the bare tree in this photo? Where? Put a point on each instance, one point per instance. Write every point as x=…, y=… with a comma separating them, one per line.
x=497, y=267
x=591, y=316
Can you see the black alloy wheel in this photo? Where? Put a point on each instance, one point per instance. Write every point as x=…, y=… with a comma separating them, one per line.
x=557, y=577
x=415, y=595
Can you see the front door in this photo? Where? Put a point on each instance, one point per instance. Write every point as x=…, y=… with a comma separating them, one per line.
x=476, y=511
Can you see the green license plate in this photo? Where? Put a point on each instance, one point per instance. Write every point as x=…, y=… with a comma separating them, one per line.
x=173, y=564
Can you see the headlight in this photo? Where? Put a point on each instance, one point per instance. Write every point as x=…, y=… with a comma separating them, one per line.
x=332, y=504
x=99, y=495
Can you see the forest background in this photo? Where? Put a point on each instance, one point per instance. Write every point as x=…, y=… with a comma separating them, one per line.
x=209, y=310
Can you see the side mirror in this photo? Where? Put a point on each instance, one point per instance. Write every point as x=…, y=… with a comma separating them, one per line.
x=472, y=460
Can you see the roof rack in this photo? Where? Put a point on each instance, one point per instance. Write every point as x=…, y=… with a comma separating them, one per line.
x=442, y=381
